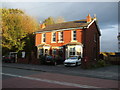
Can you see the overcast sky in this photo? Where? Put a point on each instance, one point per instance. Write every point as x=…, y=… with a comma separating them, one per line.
x=106, y=12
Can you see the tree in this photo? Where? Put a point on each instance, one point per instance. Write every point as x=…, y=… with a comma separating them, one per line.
x=16, y=25
x=49, y=21
x=59, y=20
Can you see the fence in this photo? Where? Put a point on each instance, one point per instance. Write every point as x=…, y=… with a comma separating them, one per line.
x=113, y=59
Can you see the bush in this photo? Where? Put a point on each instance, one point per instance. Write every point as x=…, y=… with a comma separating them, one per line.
x=58, y=59
x=93, y=65
x=42, y=59
x=19, y=54
x=101, y=63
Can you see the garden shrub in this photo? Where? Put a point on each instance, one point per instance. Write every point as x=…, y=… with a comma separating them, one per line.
x=42, y=59
x=93, y=65
x=58, y=59
x=101, y=63
x=19, y=54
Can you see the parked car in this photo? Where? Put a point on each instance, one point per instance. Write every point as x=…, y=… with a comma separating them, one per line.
x=73, y=61
x=54, y=60
x=10, y=57
x=7, y=59
x=50, y=60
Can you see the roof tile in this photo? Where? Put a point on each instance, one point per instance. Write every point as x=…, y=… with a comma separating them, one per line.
x=65, y=25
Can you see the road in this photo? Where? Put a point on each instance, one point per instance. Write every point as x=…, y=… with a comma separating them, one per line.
x=20, y=78
x=108, y=72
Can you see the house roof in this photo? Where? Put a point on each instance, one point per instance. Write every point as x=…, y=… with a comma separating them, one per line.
x=66, y=25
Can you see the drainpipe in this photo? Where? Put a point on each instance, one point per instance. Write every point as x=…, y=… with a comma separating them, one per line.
x=84, y=42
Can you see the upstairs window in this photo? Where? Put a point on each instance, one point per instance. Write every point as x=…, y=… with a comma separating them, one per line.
x=60, y=36
x=74, y=35
x=54, y=37
x=43, y=37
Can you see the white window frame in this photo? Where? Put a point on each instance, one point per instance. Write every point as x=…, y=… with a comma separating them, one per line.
x=60, y=36
x=41, y=51
x=43, y=37
x=53, y=37
x=76, y=50
x=72, y=36
x=72, y=49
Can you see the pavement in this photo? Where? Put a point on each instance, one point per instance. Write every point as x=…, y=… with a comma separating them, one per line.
x=107, y=72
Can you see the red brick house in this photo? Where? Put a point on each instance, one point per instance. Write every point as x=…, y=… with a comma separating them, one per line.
x=81, y=37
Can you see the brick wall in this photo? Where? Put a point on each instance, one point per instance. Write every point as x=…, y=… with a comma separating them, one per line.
x=66, y=37
x=92, y=48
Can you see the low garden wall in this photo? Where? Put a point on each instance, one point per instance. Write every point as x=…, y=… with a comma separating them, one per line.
x=28, y=61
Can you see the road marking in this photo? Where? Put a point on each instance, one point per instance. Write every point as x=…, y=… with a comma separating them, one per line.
x=51, y=81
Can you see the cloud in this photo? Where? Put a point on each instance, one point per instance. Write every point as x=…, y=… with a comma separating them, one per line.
x=109, y=41
x=107, y=14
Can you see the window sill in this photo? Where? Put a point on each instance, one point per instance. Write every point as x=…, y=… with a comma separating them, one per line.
x=60, y=41
x=74, y=41
x=53, y=42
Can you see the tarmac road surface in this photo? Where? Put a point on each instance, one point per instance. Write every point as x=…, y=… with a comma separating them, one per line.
x=20, y=78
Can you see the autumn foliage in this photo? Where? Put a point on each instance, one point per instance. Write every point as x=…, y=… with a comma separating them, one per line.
x=16, y=25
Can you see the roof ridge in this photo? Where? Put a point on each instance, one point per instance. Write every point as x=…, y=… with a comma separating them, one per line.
x=67, y=22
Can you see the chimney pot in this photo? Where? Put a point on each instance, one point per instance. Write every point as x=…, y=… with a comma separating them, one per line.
x=42, y=26
x=94, y=15
x=89, y=19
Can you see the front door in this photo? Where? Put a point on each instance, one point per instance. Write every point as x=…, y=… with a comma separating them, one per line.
x=46, y=52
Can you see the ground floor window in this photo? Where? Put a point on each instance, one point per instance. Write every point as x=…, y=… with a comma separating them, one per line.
x=54, y=51
x=40, y=51
x=60, y=52
x=72, y=51
x=79, y=53
x=78, y=50
x=46, y=52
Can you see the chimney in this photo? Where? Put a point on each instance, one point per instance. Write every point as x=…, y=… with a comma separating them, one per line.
x=95, y=17
x=42, y=26
x=88, y=18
